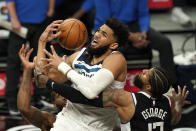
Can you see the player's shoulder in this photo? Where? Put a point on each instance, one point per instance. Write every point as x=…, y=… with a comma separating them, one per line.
x=116, y=56
x=73, y=56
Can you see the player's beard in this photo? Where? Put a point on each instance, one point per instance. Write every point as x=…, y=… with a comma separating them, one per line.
x=97, y=52
x=138, y=82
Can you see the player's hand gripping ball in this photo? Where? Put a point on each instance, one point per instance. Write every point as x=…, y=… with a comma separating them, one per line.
x=73, y=34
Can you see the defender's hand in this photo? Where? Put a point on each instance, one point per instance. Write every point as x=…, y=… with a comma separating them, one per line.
x=24, y=57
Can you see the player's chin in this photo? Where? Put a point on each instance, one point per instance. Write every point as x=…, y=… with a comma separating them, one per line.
x=94, y=46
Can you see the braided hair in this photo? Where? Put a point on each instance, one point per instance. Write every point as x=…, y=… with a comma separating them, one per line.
x=159, y=81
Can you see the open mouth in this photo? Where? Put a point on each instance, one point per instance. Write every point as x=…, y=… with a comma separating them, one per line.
x=94, y=42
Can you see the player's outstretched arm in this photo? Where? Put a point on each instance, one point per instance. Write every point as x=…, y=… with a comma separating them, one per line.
x=91, y=87
x=38, y=118
x=178, y=100
x=65, y=90
x=117, y=98
x=122, y=101
x=47, y=36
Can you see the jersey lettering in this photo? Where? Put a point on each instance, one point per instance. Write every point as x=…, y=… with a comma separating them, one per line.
x=85, y=74
x=154, y=112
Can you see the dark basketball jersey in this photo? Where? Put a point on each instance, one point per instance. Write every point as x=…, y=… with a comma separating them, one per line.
x=150, y=114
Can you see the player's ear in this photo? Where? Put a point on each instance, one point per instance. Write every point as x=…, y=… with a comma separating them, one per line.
x=113, y=46
x=148, y=87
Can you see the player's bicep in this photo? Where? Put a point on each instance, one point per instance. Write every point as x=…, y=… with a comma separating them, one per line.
x=116, y=98
x=115, y=63
x=69, y=60
x=124, y=105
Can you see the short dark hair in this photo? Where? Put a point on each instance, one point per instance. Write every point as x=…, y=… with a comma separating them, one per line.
x=159, y=81
x=120, y=30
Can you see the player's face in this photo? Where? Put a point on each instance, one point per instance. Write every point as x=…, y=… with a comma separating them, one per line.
x=59, y=101
x=103, y=37
x=145, y=76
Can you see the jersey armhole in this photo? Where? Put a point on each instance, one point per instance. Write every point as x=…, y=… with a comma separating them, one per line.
x=78, y=55
x=134, y=98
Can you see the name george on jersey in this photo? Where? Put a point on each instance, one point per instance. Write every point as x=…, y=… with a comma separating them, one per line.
x=154, y=112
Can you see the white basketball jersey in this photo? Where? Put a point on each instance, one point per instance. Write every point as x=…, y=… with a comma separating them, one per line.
x=89, y=117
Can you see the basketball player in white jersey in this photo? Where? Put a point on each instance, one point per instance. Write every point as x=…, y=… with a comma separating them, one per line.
x=91, y=70
x=135, y=109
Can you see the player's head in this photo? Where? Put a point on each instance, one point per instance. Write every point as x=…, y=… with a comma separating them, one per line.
x=109, y=36
x=58, y=101
x=154, y=80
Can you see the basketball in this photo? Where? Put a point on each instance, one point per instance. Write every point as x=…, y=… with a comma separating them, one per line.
x=73, y=34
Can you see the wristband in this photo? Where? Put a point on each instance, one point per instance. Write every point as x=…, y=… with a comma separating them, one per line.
x=64, y=68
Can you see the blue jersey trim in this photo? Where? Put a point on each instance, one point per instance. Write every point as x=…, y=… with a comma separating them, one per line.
x=77, y=66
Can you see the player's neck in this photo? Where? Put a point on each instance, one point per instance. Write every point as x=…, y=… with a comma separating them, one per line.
x=147, y=92
x=96, y=60
x=101, y=58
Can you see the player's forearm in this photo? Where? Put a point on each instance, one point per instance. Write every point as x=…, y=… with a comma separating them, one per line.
x=24, y=94
x=89, y=87
x=41, y=46
x=72, y=94
x=12, y=10
x=41, y=54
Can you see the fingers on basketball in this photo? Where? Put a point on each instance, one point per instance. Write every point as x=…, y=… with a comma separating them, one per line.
x=73, y=34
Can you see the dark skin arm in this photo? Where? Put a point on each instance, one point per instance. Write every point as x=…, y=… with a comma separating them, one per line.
x=43, y=120
x=122, y=101
x=48, y=36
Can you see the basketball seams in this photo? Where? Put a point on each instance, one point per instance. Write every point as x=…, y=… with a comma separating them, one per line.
x=68, y=21
x=78, y=34
x=73, y=34
x=84, y=35
x=69, y=32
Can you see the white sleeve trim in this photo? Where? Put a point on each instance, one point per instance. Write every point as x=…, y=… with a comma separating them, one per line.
x=91, y=87
x=125, y=127
x=134, y=99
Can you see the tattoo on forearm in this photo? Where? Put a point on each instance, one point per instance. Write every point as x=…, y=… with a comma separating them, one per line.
x=108, y=96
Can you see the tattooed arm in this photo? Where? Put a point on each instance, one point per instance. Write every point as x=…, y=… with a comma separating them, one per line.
x=43, y=120
x=122, y=101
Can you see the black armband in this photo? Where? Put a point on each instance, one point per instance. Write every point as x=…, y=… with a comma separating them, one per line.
x=65, y=90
